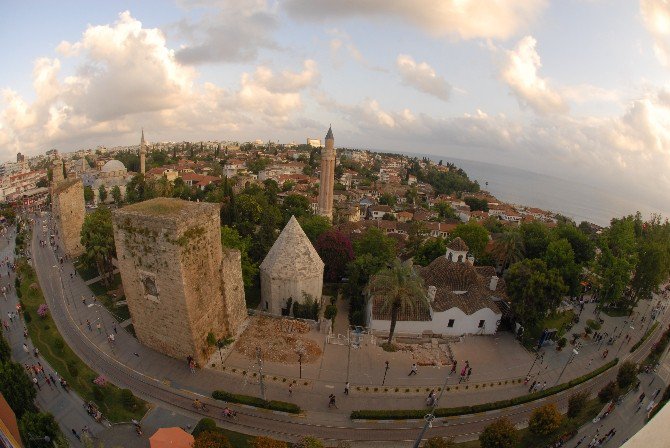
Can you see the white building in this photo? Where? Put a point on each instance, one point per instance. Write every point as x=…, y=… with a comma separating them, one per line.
x=314, y=142
x=461, y=299
x=291, y=269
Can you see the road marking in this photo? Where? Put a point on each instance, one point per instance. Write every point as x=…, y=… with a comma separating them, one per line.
x=329, y=386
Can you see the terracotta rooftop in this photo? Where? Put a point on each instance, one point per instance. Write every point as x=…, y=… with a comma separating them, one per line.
x=458, y=245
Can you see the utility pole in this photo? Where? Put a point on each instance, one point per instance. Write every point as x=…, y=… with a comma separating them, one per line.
x=259, y=357
x=431, y=416
x=572, y=356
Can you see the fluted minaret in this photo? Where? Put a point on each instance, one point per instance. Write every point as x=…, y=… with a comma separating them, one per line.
x=327, y=182
x=143, y=152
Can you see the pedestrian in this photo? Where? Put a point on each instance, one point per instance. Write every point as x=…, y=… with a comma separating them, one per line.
x=36, y=352
x=532, y=386
x=98, y=326
x=641, y=397
x=346, y=388
x=75, y=433
x=36, y=383
x=469, y=373
x=88, y=324
x=52, y=379
x=544, y=385
x=25, y=333
x=605, y=353
x=189, y=358
x=191, y=366
x=413, y=371
x=25, y=348
x=290, y=389
x=11, y=316
x=430, y=401
x=83, y=300
x=453, y=367
x=590, y=361
x=650, y=405
x=86, y=430
x=48, y=382
x=656, y=392
x=115, y=332
x=525, y=382
x=580, y=441
x=331, y=401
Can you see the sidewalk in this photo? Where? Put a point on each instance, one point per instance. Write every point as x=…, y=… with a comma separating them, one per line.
x=66, y=407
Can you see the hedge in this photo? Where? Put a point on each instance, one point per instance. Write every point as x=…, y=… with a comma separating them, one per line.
x=644, y=338
x=256, y=402
x=402, y=414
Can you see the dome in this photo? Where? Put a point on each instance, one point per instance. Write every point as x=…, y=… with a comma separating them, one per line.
x=113, y=165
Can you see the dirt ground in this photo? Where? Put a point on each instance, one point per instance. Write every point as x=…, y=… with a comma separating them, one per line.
x=426, y=354
x=280, y=340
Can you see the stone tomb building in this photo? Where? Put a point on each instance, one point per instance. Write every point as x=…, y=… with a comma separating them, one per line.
x=67, y=206
x=291, y=269
x=180, y=284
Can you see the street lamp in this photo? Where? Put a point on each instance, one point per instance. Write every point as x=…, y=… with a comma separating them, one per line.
x=221, y=343
x=538, y=355
x=574, y=353
x=300, y=351
x=431, y=416
x=386, y=369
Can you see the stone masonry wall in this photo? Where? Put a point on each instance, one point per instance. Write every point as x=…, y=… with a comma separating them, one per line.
x=170, y=258
x=232, y=286
x=67, y=200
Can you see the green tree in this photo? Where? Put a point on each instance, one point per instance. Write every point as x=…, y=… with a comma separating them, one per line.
x=609, y=392
x=576, y=403
x=653, y=261
x=17, y=388
x=5, y=349
x=374, y=242
x=560, y=256
x=508, y=249
x=359, y=272
x=295, y=205
x=534, y=290
x=102, y=193
x=231, y=239
x=499, y=434
x=535, y=238
x=545, y=419
x=88, y=194
x=474, y=235
x=97, y=237
x=248, y=212
x=116, y=195
x=493, y=225
x=429, y=250
x=445, y=211
x=314, y=226
x=34, y=425
x=582, y=245
x=388, y=199
x=477, y=204
x=401, y=289
x=627, y=374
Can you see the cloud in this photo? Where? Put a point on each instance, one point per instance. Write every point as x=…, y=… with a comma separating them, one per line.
x=520, y=72
x=126, y=77
x=422, y=77
x=464, y=19
x=233, y=32
x=656, y=18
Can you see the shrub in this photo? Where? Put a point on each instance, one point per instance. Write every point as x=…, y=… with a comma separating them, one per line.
x=576, y=403
x=42, y=310
x=330, y=312
x=27, y=317
x=210, y=439
x=644, y=337
x=562, y=342
x=100, y=381
x=499, y=434
x=205, y=424
x=627, y=374
x=439, y=442
x=266, y=442
x=594, y=325
x=309, y=442
x=256, y=402
x=609, y=392
x=588, y=330
x=545, y=420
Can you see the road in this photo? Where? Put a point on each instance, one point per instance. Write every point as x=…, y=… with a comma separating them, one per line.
x=323, y=424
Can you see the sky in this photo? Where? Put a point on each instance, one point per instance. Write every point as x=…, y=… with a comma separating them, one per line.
x=573, y=88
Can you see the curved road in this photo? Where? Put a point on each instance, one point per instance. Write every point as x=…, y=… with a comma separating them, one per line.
x=287, y=427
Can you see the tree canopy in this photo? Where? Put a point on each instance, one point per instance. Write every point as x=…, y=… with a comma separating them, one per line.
x=474, y=235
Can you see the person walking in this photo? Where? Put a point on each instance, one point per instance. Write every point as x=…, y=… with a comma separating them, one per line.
x=656, y=392
x=346, y=388
x=469, y=373
x=36, y=383
x=25, y=348
x=36, y=352
x=331, y=401
x=641, y=397
x=99, y=327
x=88, y=324
x=453, y=367
x=544, y=385
x=76, y=434
x=413, y=371
x=290, y=389
x=532, y=386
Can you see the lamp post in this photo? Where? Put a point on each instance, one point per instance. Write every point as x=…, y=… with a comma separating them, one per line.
x=259, y=357
x=574, y=353
x=386, y=369
x=537, y=356
x=300, y=351
x=221, y=343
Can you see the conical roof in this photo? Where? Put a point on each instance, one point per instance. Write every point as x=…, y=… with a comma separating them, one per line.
x=292, y=255
x=329, y=135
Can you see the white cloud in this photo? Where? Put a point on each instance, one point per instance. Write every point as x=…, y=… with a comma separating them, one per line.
x=127, y=77
x=520, y=72
x=464, y=19
x=230, y=31
x=422, y=77
x=656, y=18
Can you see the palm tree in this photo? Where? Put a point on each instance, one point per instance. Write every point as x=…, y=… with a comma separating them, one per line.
x=508, y=249
x=401, y=288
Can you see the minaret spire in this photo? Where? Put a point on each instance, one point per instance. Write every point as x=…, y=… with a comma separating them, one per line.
x=327, y=180
x=143, y=152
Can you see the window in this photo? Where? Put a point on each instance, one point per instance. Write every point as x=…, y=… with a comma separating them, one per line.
x=266, y=305
x=481, y=323
x=460, y=258
x=451, y=323
x=451, y=256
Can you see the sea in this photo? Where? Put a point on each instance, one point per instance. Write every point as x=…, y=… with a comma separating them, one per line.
x=573, y=199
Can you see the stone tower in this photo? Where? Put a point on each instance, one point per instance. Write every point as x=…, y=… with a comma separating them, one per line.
x=291, y=269
x=67, y=207
x=327, y=181
x=180, y=284
x=143, y=152
x=57, y=172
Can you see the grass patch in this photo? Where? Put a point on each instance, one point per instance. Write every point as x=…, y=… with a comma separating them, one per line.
x=45, y=336
x=120, y=313
x=560, y=321
x=402, y=414
x=644, y=337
